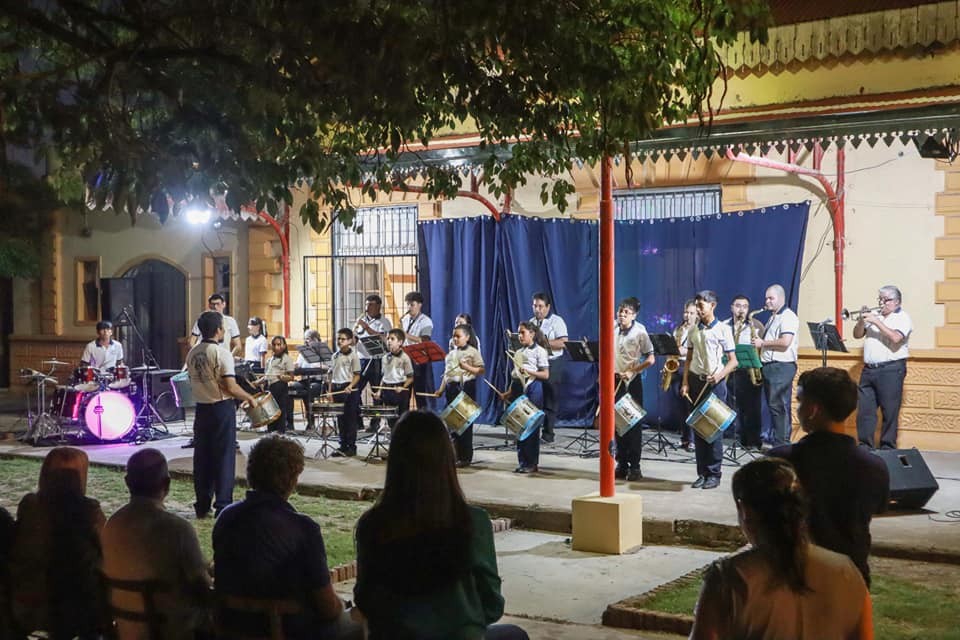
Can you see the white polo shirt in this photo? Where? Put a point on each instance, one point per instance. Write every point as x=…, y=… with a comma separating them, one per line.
x=345, y=365
x=380, y=325
x=782, y=323
x=632, y=346
x=877, y=347
x=421, y=326
x=534, y=358
x=231, y=329
x=744, y=337
x=207, y=364
x=397, y=368
x=554, y=328
x=706, y=345
x=254, y=347
x=102, y=356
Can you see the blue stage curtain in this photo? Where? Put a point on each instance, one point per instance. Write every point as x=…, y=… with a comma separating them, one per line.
x=492, y=269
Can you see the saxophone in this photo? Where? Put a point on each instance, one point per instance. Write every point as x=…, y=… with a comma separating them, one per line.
x=756, y=375
x=671, y=365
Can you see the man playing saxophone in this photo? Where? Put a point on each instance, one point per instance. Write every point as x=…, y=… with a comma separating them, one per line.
x=745, y=385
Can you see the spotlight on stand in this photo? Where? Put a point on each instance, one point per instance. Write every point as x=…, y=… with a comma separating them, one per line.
x=197, y=214
x=940, y=146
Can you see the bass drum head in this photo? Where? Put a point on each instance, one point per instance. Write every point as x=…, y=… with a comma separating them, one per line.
x=109, y=415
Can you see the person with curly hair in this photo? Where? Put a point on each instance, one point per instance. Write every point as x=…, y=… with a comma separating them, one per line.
x=263, y=548
x=426, y=563
x=782, y=586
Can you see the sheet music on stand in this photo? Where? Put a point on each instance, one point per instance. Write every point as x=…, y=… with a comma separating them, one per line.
x=827, y=338
x=424, y=352
x=374, y=345
x=513, y=341
x=583, y=350
x=317, y=353
x=664, y=344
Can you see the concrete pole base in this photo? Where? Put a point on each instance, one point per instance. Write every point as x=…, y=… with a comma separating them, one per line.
x=611, y=525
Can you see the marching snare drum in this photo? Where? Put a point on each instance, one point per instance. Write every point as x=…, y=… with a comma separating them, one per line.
x=108, y=415
x=711, y=418
x=180, y=383
x=523, y=417
x=628, y=414
x=264, y=411
x=461, y=413
x=121, y=377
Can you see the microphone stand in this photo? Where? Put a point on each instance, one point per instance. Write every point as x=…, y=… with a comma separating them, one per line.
x=147, y=412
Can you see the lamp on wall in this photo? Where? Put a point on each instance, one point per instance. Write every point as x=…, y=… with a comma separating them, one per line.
x=939, y=146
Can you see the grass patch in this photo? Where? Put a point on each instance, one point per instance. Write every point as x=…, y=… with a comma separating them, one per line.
x=18, y=476
x=903, y=608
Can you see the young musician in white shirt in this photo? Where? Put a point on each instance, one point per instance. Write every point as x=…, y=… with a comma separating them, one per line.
x=528, y=380
x=344, y=380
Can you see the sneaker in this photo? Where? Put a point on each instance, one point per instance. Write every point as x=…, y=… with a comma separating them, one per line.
x=687, y=446
x=699, y=482
x=548, y=438
x=620, y=473
x=711, y=483
x=344, y=453
x=522, y=469
x=188, y=445
x=634, y=475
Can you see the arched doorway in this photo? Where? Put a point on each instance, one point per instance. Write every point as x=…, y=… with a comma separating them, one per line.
x=160, y=299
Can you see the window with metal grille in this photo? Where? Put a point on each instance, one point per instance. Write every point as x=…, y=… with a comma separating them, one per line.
x=664, y=204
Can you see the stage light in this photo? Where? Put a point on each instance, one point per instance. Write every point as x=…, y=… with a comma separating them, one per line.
x=197, y=214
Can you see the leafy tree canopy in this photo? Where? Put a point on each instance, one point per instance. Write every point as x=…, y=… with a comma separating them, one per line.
x=137, y=100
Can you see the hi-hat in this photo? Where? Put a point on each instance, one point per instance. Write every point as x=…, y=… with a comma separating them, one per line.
x=55, y=362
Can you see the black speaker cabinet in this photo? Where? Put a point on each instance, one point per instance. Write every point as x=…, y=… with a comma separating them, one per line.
x=162, y=395
x=911, y=483
x=115, y=294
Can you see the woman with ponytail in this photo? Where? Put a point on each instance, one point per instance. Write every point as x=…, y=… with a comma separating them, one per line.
x=781, y=587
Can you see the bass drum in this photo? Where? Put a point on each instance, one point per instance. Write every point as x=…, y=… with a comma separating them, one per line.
x=109, y=415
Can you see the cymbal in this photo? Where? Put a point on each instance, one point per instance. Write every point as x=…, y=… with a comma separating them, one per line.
x=55, y=362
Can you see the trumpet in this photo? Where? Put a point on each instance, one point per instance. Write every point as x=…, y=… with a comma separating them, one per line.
x=846, y=314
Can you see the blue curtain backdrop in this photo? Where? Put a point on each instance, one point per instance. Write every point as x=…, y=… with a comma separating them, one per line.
x=491, y=270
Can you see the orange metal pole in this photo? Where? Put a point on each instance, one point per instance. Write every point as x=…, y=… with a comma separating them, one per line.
x=607, y=313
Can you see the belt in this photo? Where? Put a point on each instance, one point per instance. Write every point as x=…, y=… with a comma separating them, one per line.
x=880, y=365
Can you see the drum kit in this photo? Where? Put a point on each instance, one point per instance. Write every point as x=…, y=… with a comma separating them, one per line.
x=98, y=403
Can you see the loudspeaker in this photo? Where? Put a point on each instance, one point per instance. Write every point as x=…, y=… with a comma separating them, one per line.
x=115, y=294
x=161, y=394
x=911, y=483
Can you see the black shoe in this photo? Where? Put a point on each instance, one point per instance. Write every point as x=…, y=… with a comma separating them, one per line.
x=523, y=469
x=711, y=483
x=548, y=438
x=200, y=513
x=687, y=446
x=189, y=445
x=344, y=453
x=634, y=475
x=699, y=482
x=620, y=473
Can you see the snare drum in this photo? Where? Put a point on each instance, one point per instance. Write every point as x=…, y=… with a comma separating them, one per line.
x=180, y=383
x=328, y=409
x=711, y=418
x=460, y=414
x=628, y=414
x=384, y=411
x=108, y=415
x=86, y=378
x=121, y=377
x=523, y=417
x=264, y=411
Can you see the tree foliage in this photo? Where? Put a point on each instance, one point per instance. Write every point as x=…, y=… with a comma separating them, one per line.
x=140, y=100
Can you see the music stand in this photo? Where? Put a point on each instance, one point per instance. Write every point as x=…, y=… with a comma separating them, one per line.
x=664, y=344
x=375, y=345
x=316, y=353
x=425, y=352
x=826, y=337
x=584, y=350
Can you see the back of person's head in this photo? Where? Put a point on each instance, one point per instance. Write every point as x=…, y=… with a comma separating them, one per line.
x=208, y=324
x=64, y=470
x=773, y=507
x=421, y=485
x=274, y=465
x=832, y=389
x=147, y=474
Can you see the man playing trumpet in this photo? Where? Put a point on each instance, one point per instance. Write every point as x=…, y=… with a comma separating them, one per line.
x=634, y=354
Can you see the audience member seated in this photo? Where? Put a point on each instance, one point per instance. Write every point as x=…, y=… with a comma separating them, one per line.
x=55, y=560
x=144, y=542
x=426, y=563
x=6, y=540
x=783, y=586
x=845, y=484
x=263, y=548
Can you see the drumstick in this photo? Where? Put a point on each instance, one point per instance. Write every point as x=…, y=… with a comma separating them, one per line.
x=489, y=384
x=427, y=394
x=700, y=395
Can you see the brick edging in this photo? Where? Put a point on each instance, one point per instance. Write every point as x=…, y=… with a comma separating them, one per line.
x=623, y=615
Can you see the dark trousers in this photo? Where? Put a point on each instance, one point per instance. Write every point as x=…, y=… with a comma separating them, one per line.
x=505, y=632
x=462, y=443
x=349, y=420
x=398, y=399
x=630, y=444
x=880, y=387
x=679, y=408
x=214, y=455
x=371, y=373
x=709, y=455
x=528, y=451
x=552, y=387
x=280, y=391
x=778, y=387
x=423, y=383
x=308, y=389
x=745, y=400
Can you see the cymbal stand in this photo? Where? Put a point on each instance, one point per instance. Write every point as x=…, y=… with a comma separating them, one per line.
x=380, y=448
x=147, y=413
x=659, y=442
x=42, y=425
